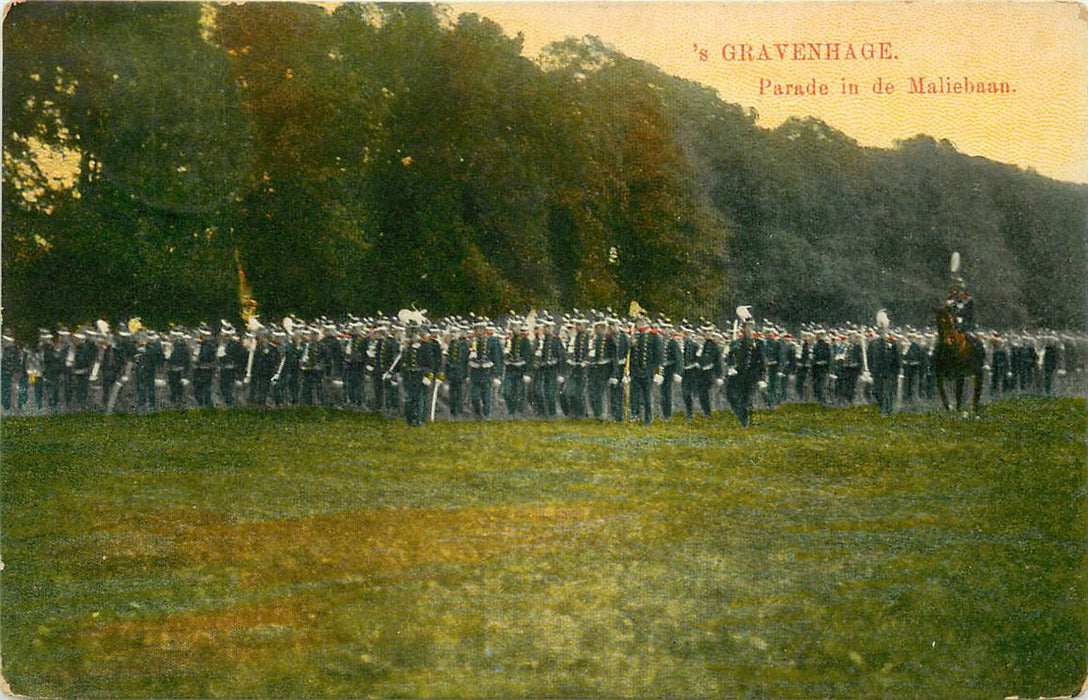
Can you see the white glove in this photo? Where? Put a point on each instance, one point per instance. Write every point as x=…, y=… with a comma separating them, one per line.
x=761, y=384
x=561, y=379
x=1061, y=373
x=627, y=380
x=427, y=381
x=659, y=379
x=124, y=379
x=526, y=379
x=275, y=379
x=370, y=368
x=612, y=381
x=185, y=382
x=386, y=376
x=719, y=381
x=237, y=383
x=160, y=383
x=677, y=378
x=832, y=377
x=496, y=382
x=732, y=372
x=338, y=383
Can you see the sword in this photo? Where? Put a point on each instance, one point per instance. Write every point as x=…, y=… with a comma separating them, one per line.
x=434, y=396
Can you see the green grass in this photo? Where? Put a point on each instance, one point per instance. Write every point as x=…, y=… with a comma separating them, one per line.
x=332, y=554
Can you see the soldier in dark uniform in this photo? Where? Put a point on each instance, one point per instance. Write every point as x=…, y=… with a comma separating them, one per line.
x=53, y=358
x=691, y=371
x=417, y=374
x=312, y=369
x=518, y=370
x=821, y=365
x=266, y=362
x=884, y=363
x=804, y=364
x=999, y=367
x=288, y=378
x=457, y=370
x=646, y=358
x=1051, y=360
x=11, y=366
x=711, y=356
x=549, y=355
x=577, y=364
x=600, y=368
x=746, y=372
x=354, y=364
x=913, y=368
x=232, y=363
x=204, y=368
x=773, y=360
x=850, y=369
x=85, y=354
x=179, y=360
x=672, y=367
x=619, y=351
x=332, y=352
x=790, y=357
x=484, y=362
x=146, y=364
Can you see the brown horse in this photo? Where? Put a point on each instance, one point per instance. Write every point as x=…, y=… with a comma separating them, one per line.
x=956, y=357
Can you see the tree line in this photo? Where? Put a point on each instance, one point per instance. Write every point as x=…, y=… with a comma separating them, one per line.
x=378, y=156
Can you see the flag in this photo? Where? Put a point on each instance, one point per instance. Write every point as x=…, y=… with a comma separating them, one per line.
x=246, y=302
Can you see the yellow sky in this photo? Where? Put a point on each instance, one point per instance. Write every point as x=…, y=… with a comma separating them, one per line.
x=1039, y=48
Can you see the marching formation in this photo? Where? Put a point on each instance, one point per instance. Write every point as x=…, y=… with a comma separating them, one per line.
x=594, y=365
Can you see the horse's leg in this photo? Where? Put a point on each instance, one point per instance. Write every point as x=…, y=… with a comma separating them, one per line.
x=940, y=390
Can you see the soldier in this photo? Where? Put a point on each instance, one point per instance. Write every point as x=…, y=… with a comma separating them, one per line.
x=850, y=369
x=913, y=367
x=821, y=365
x=885, y=363
x=457, y=370
x=672, y=368
x=518, y=369
x=484, y=362
x=11, y=366
x=746, y=372
x=804, y=364
x=710, y=362
x=577, y=359
x=1050, y=361
x=146, y=362
x=312, y=368
x=791, y=354
x=179, y=359
x=692, y=347
x=619, y=352
x=204, y=366
x=773, y=361
x=287, y=381
x=232, y=358
x=53, y=358
x=332, y=352
x=417, y=374
x=549, y=355
x=266, y=362
x=600, y=368
x=999, y=366
x=354, y=364
x=645, y=364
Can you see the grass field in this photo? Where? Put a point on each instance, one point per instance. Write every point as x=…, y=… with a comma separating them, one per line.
x=333, y=554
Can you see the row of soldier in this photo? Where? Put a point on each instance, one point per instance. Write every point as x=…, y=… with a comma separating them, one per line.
x=544, y=367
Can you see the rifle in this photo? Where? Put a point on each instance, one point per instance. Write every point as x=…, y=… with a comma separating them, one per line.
x=116, y=388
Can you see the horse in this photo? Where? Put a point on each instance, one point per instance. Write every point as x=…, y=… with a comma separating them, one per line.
x=956, y=357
